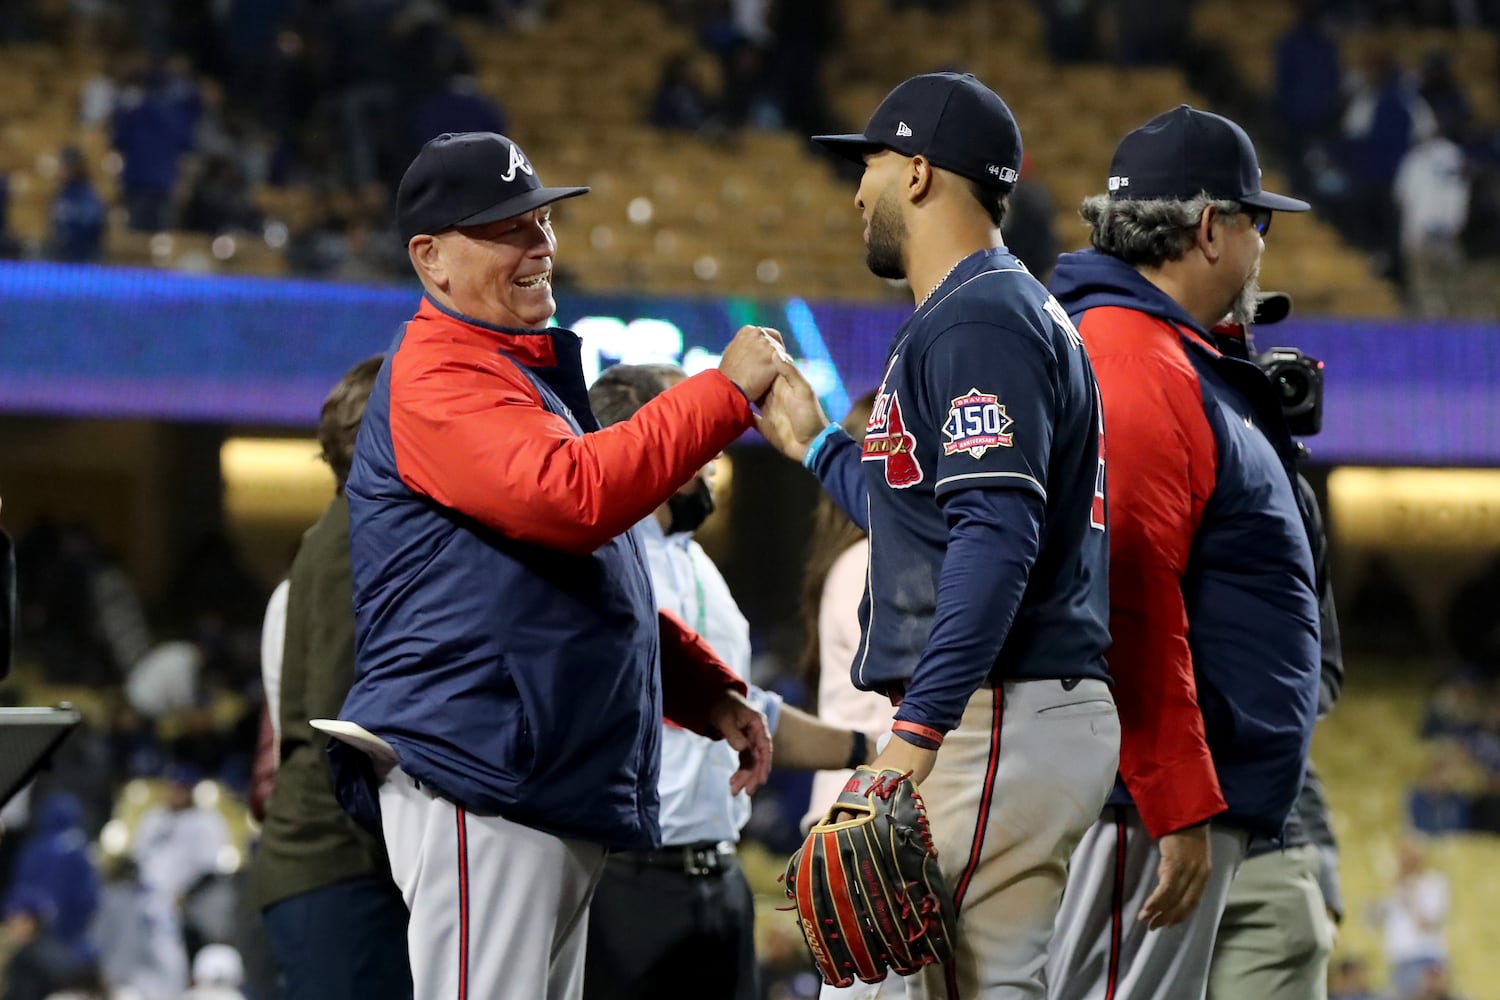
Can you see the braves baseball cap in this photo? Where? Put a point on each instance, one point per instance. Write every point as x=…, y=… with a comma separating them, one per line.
x=1186, y=152
x=469, y=179
x=952, y=119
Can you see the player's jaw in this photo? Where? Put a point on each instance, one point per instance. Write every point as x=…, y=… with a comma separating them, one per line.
x=885, y=237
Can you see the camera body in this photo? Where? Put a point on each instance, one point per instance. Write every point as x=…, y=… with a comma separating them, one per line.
x=1298, y=381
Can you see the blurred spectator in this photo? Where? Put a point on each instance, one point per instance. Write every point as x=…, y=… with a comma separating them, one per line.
x=140, y=936
x=1473, y=625
x=220, y=199
x=1434, y=984
x=1028, y=224
x=1454, y=710
x=1308, y=85
x=1483, y=742
x=218, y=973
x=1437, y=805
x=1382, y=120
x=1445, y=96
x=36, y=963
x=1484, y=812
x=1414, y=918
x=1431, y=192
x=177, y=843
x=1382, y=616
x=101, y=91
x=165, y=680
x=10, y=245
x=1072, y=27
x=54, y=862
x=1151, y=32
x=211, y=584
x=519, y=15
x=679, y=102
x=285, y=96
x=155, y=123
x=805, y=32
x=76, y=217
x=1349, y=979
x=133, y=749
x=458, y=105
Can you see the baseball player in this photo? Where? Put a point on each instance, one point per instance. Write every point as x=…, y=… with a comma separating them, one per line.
x=980, y=485
x=1213, y=606
x=511, y=665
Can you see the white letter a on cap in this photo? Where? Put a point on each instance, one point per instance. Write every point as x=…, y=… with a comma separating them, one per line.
x=517, y=162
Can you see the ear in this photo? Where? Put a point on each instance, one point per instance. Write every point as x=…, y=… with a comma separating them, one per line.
x=919, y=178
x=1205, y=238
x=426, y=253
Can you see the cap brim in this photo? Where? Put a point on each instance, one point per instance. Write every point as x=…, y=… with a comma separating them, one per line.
x=855, y=146
x=1272, y=307
x=1275, y=202
x=520, y=205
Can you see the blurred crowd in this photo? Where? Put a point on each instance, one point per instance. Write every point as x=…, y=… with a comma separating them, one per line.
x=147, y=908
x=1392, y=152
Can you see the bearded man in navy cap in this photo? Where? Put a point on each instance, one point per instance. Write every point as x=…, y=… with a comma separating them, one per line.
x=511, y=667
x=1213, y=596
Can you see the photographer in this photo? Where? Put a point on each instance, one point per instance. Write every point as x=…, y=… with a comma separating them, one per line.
x=1278, y=926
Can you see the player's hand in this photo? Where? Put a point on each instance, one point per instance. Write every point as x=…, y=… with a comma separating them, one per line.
x=904, y=757
x=744, y=729
x=1180, y=878
x=791, y=415
x=750, y=360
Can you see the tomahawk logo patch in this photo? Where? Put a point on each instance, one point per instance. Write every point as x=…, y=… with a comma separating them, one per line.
x=976, y=423
x=887, y=440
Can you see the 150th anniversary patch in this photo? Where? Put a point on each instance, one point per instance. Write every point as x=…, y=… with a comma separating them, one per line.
x=976, y=423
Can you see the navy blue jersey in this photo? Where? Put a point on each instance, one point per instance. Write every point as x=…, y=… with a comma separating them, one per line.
x=988, y=405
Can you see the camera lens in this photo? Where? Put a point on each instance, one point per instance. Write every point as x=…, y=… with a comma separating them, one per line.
x=1293, y=386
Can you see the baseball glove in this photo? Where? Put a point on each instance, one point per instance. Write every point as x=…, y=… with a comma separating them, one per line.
x=868, y=892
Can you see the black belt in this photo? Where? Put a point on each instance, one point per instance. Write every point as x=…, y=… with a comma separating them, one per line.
x=691, y=859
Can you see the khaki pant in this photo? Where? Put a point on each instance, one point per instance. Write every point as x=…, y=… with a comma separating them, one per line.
x=1035, y=761
x=1275, y=936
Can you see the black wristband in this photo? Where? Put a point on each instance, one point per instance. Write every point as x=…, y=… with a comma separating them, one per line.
x=859, y=752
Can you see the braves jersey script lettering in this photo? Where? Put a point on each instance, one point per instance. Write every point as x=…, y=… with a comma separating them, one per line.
x=889, y=442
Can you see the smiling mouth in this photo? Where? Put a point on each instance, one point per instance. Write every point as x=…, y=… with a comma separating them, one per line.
x=540, y=280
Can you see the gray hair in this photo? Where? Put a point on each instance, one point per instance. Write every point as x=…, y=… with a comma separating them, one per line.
x=621, y=390
x=1150, y=232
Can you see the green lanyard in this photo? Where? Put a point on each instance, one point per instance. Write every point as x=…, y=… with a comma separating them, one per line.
x=698, y=586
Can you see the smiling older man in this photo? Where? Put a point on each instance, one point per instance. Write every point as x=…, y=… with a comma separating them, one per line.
x=512, y=669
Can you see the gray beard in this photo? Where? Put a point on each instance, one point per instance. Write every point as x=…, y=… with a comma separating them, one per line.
x=1243, y=310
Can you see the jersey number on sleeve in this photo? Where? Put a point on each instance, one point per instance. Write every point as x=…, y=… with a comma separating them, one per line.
x=1075, y=340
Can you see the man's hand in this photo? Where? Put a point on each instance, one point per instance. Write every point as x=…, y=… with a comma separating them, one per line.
x=791, y=415
x=744, y=728
x=750, y=360
x=1181, y=878
x=901, y=756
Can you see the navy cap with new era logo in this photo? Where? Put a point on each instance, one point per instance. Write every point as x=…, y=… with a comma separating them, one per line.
x=1184, y=153
x=469, y=179
x=955, y=121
